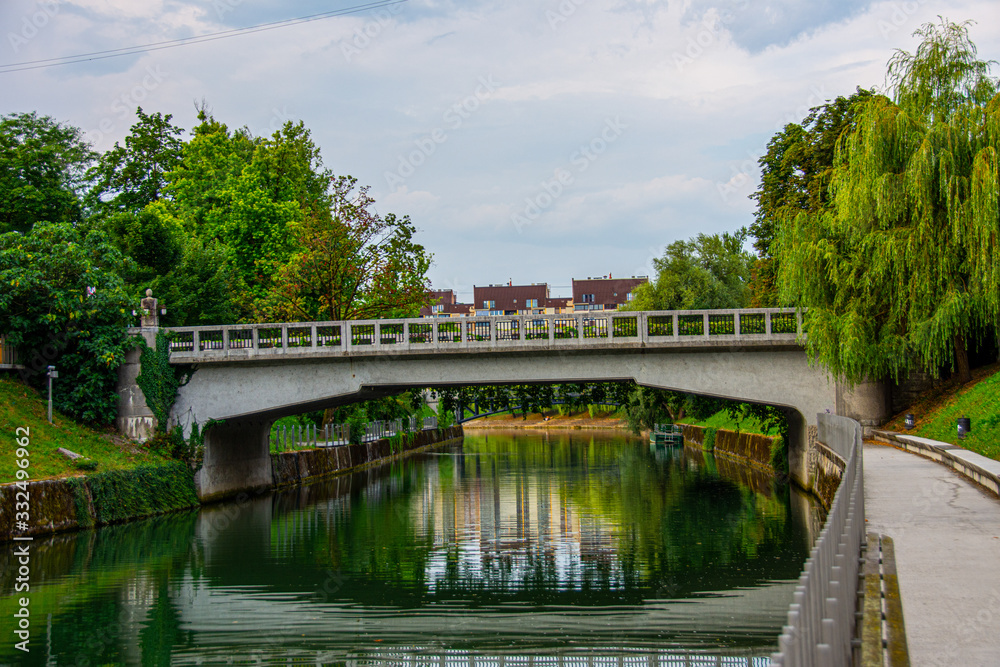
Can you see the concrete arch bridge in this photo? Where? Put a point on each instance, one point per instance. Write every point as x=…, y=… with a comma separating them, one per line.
x=250, y=375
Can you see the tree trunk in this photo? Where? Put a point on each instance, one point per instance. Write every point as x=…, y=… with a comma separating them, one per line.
x=962, y=371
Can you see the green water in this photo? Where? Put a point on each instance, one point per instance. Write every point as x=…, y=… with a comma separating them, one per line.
x=508, y=549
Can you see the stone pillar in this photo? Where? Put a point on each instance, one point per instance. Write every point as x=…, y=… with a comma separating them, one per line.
x=135, y=419
x=798, y=447
x=865, y=402
x=237, y=459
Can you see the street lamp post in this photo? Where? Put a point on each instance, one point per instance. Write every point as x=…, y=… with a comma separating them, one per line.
x=52, y=374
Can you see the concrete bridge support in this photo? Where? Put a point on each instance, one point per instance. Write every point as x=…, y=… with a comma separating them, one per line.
x=237, y=458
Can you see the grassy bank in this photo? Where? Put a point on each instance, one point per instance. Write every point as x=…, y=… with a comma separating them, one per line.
x=722, y=420
x=22, y=406
x=937, y=412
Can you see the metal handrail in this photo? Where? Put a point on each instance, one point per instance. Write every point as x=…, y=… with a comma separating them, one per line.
x=821, y=618
x=333, y=434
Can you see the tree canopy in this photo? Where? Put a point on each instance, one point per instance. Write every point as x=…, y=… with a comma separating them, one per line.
x=902, y=268
x=63, y=303
x=796, y=171
x=708, y=271
x=223, y=226
x=43, y=171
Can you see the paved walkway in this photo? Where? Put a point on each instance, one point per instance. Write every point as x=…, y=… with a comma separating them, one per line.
x=947, y=542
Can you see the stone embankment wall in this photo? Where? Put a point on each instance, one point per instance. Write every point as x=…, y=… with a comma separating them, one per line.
x=59, y=505
x=295, y=467
x=750, y=447
x=826, y=467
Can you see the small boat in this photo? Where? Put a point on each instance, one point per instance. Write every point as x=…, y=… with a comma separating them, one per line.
x=666, y=434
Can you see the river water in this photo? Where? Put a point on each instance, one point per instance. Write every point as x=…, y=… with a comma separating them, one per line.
x=573, y=548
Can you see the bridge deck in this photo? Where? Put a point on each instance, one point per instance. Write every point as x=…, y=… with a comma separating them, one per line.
x=529, y=333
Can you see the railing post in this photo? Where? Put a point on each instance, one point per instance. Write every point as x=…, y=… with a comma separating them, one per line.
x=434, y=332
x=312, y=337
x=767, y=322
x=196, y=342
x=284, y=338
x=676, y=330
x=254, y=337
x=798, y=322
x=736, y=323
x=225, y=339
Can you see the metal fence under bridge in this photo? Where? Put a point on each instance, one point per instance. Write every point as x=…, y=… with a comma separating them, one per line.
x=416, y=657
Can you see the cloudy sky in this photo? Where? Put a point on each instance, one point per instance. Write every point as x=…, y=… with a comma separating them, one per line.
x=529, y=141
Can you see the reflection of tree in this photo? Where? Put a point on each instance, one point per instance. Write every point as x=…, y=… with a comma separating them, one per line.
x=541, y=522
x=162, y=627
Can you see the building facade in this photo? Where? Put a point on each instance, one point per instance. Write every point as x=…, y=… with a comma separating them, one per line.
x=605, y=293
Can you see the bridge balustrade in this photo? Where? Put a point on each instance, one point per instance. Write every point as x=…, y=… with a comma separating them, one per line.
x=656, y=328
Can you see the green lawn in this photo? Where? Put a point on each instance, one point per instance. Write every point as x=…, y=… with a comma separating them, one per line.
x=21, y=405
x=937, y=413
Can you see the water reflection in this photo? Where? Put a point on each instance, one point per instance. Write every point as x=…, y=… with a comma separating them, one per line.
x=514, y=545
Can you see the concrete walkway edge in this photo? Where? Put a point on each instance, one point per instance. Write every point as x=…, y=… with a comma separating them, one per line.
x=977, y=468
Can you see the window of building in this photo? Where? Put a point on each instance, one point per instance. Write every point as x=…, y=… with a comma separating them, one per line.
x=629, y=296
x=587, y=298
x=439, y=308
x=489, y=304
x=531, y=303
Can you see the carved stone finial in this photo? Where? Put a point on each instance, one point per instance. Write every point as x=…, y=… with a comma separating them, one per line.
x=150, y=313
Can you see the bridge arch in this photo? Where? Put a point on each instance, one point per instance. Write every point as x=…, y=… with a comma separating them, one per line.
x=250, y=375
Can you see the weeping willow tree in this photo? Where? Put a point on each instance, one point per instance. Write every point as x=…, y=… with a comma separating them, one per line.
x=902, y=266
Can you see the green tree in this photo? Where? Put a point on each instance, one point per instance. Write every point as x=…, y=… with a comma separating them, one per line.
x=64, y=304
x=130, y=177
x=795, y=177
x=251, y=194
x=43, y=167
x=708, y=271
x=902, y=268
x=353, y=264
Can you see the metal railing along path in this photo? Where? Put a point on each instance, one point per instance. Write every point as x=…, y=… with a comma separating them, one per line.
x=420, y=335
x=288, y=438
x=821, y=619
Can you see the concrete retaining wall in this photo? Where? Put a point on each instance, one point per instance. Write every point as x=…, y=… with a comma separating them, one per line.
x=52, y=508
x=751, y=448
x=828, y=471
x=825, y=465
x=296, y=467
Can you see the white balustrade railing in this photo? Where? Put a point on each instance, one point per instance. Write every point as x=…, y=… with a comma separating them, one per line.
x=821, y=619
x=420, y=334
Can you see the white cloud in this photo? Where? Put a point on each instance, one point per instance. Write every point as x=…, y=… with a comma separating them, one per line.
x=702, y=85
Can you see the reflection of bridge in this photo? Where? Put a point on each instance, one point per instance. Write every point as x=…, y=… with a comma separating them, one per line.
x=249, y=375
